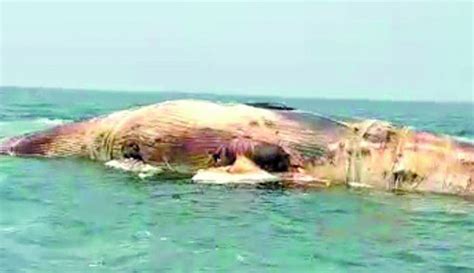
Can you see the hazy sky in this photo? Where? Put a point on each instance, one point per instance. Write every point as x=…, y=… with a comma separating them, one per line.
x=391, y=50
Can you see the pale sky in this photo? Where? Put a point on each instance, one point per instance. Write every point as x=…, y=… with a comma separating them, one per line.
x=386, y=50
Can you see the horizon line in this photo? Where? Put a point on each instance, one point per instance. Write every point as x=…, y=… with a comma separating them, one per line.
x=233, y=94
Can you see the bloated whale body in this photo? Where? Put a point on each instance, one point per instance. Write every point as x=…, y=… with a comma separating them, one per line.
x=222, y=143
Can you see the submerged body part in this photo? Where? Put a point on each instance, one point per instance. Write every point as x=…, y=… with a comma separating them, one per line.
x=223, y=143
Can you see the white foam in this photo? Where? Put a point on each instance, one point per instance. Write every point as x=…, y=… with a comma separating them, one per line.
x=130, y=165
x=355, y=184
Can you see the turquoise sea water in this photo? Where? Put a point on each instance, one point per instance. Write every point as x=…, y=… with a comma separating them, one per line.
x=78, y=216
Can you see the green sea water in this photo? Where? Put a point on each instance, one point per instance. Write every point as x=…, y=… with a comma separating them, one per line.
x=79, y=216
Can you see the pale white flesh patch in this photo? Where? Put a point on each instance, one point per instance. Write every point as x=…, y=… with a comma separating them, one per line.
x=243, y=171
x=222, y=176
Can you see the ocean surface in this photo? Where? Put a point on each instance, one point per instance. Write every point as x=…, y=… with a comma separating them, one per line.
x=79, y=216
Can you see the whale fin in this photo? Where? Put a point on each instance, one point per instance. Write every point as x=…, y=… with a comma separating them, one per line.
x=270, y=106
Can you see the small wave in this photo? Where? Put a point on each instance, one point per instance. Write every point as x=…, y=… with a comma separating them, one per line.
x=469, y=140
x=48, y=121
x=45, y=121
x=464, y=132
x=16, y=127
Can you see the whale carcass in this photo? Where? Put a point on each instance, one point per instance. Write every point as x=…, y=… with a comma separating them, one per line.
x=253, y=143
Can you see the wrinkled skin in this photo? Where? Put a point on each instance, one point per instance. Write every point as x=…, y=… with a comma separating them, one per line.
x=302, y=149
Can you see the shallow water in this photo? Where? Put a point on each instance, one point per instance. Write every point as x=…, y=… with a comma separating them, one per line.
x=78, y=216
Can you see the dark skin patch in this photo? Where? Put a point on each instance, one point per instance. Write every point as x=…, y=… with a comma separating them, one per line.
x=270, y=105
x=271, y=158
x=269, y=123
x=253, y=123
x=223, y=157
x=132, y=150
x=401, y=177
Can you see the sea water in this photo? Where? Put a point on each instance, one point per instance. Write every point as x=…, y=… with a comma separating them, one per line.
x=64, y=215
